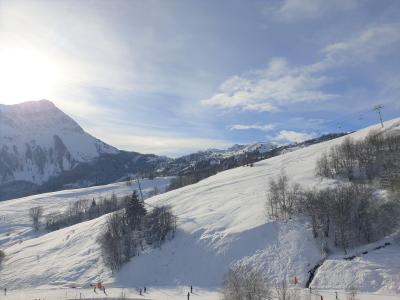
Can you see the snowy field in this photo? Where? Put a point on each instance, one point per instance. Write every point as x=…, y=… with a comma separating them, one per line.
x=221, y=221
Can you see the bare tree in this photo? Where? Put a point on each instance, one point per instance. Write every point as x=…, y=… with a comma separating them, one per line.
x=282, y=197
x=111, y=242
x=155, y=191
x=352, y=292
x=348, y=157
x=2, y=255
x=35, y=213
x=245, y=283
x=349, y=214
x=375, y=156
x=160, y=225
x=282, y=292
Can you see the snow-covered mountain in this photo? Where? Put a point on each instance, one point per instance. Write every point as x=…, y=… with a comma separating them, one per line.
x=237, y=149
x=38, y=141
x=215, y=160
x=221, y=222
x=43, y=149
x=205, y=163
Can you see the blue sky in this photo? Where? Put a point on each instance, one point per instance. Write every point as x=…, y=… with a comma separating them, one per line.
x=172, y=77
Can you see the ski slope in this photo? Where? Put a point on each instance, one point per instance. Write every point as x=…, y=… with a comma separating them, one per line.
x=15, y=226
x=221, y=222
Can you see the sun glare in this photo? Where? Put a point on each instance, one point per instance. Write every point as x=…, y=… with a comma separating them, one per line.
x=26, y=75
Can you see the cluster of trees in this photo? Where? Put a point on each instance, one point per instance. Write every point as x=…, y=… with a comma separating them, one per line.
x=127, y=231
x=77, y=212
x=376, y=156
x=83, y=210
x=243, y=282
x=347, y=214
x=282, y=198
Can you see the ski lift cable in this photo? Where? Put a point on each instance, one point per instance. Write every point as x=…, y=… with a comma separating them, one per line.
x=357, y=116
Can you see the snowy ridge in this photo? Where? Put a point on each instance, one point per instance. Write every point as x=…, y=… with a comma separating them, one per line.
x=221, y=221
x=260, y=147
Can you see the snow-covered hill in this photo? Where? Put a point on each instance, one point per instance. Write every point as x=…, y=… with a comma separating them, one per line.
x=221, y=222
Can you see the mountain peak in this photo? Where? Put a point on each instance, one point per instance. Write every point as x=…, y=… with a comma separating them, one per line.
x=40, y=103
x=35, y=115
x=34, y=103
x=38, y=141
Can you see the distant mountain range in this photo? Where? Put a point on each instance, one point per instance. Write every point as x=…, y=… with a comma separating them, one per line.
x=42, y=149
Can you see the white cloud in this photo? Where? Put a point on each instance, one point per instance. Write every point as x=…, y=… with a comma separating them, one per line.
x=293, y=136
x=300, y=10
x=165, y=145
x=365, y=46
x=267, y=90
x=280, y=85
x=266, y=127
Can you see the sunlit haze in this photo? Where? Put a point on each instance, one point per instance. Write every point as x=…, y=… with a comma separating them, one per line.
x=173, y=77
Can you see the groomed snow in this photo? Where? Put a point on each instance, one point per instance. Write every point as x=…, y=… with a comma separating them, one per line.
x=221, y=222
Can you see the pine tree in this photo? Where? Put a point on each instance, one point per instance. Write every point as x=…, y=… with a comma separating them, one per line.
x=134, y=211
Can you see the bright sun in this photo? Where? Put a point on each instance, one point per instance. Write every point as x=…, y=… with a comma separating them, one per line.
x=26, y=75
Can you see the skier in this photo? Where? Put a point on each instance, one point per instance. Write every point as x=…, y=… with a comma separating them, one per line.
x=188, y=296
x=140, y=291
x=191, y=289
x=104, y=289
x=99, y=286
x=336, y=296
x=5, y=291
x=145, y=289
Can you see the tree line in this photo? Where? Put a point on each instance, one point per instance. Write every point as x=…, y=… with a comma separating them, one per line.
x=77, y=212
x=350, y=213
x=347, y=214
x=83, y=210
x=375, y=157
